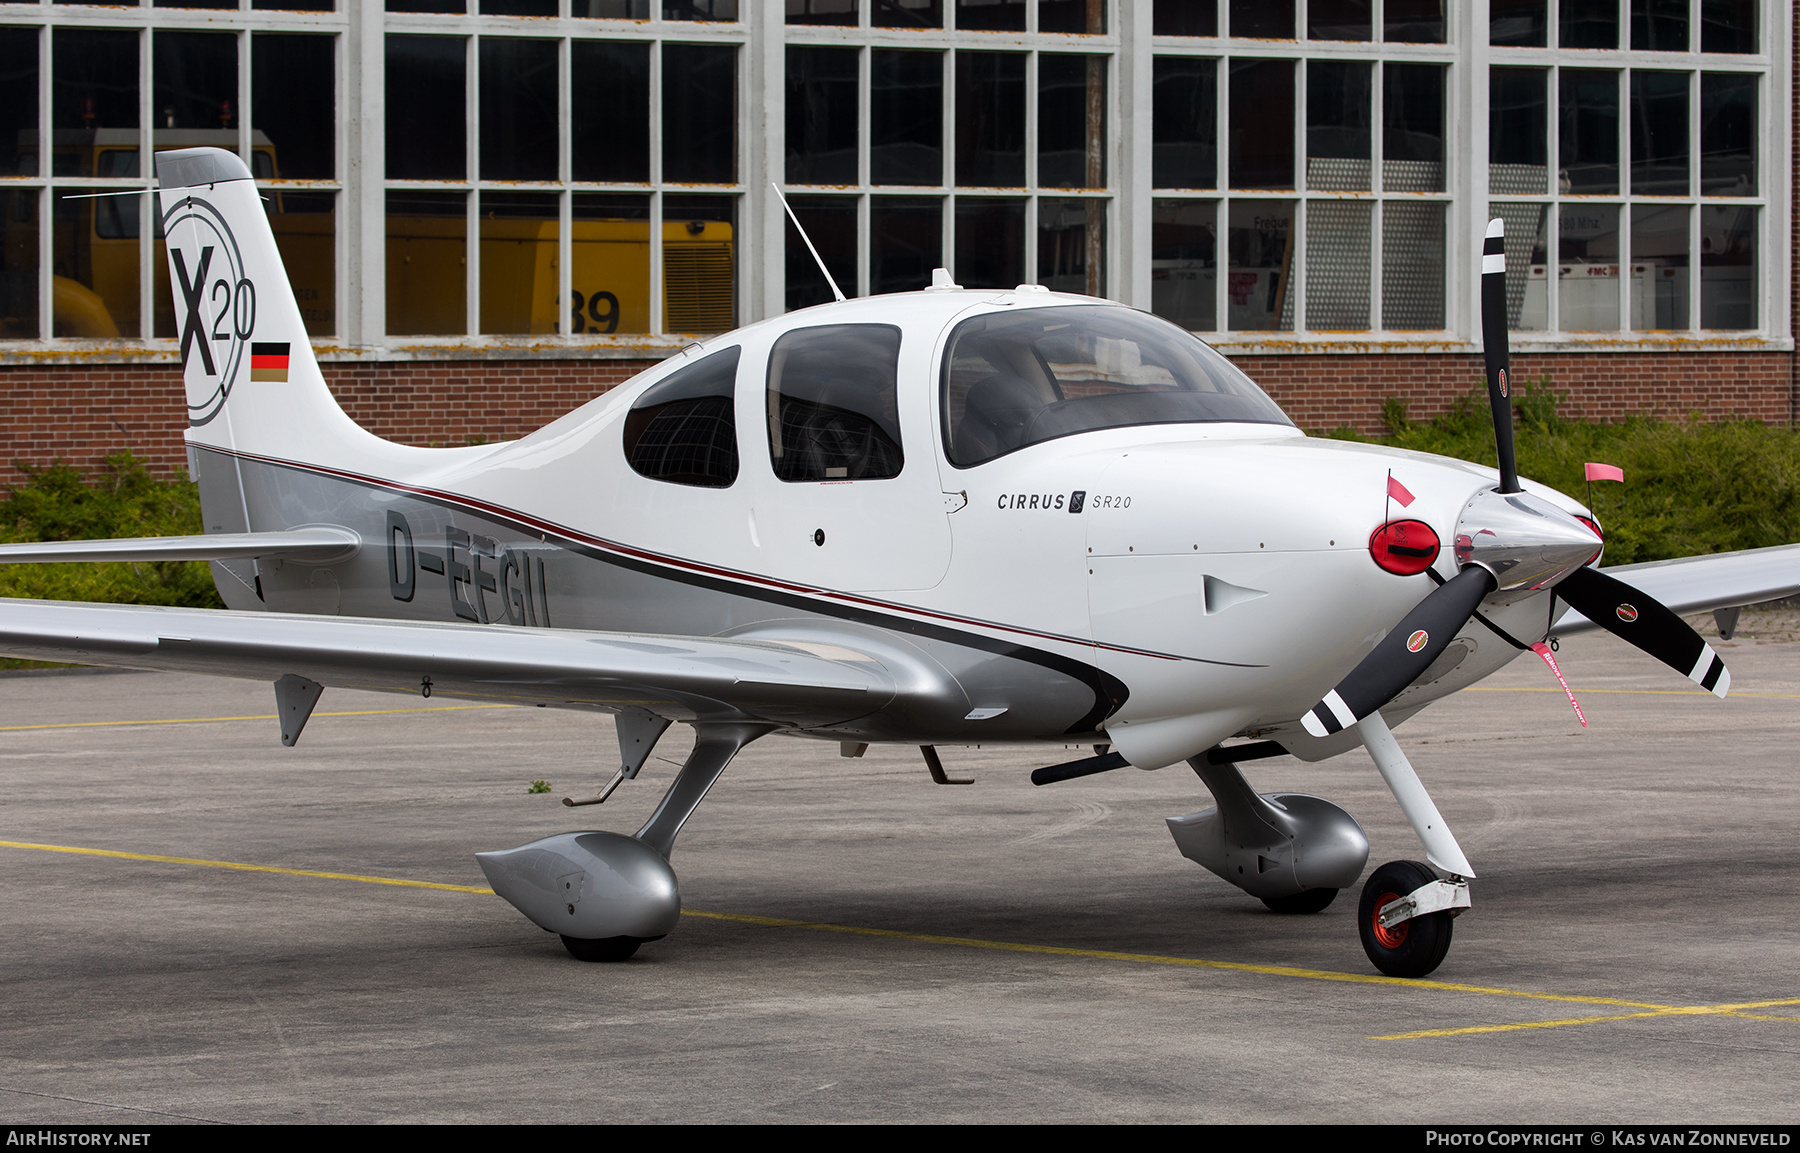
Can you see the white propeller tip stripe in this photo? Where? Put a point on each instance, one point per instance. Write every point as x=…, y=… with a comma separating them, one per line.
x=1493, y=262
x=1723, y=685
x=1313, y=725
x=1339, y=709
x=1496, y=227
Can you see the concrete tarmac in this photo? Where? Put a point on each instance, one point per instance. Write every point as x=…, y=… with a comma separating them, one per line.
x=863, y=945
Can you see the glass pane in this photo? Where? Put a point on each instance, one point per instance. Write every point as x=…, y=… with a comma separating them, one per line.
x=1184, y=101
x=1412, y=137
x=19, y=105
x=519, y=262
x=425, y=137
x=292, y=5
x=1588, y=23
x=1338, y=111
x=1728, y=26
x=195, y=3
x=95, y=250
x=907, y=14
x=906, y=241
x=518, y=109
x=1659, y=25
x=1521, y=23
x=1518, y=130
x=1527, y=265
x=294, y=104
x=1071, y=121
x=94, y=99
x=427, y=262
x=1588, y=267
x=1263, y=19
x=1337, y=265
x=705, y=10
x=1727, y=267
x=19, y=264
x=609, y=263
x=699, y=113
x=1077, y=17
x=1339, y=19
x=1259, y=246
x=684, y=428
x=194, y=89
x=831, y=223
x=1072, y=246
x=1412, y=266
x=699, y=286
x=1727, y=134
x=820, y=12
x=426, y=6
x=990, y=119
x=834, y=410
x=990, y=15
x=518, y=7
x=1589, y=123
x=1659, y=133
x=305, y=228
x=610, y=9
x=609, y=106
x=821, y=115
x=1261, y=124
x=1413, y=21
x=1184, y=263
x=990, y=243
x=906, y=118
x=1659, y=267
x=1185, y=18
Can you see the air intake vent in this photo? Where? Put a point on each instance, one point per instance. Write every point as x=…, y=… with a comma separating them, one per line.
x=697, y=287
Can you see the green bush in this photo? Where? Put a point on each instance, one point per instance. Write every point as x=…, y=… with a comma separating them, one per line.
x=55, y=503
x=1690, y=487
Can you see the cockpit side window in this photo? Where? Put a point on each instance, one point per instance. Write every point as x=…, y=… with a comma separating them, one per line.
x=834, y=410
x=1013, y=379
x=684, y=429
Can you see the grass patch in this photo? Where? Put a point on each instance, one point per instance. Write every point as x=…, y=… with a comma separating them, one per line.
x=1690, y=487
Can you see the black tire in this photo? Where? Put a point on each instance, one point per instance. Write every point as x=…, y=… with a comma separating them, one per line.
x=601, y=949
x=1310, y=901
x=1412, y=948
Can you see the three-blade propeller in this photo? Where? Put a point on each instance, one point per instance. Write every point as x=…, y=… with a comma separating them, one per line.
x=1419, y=638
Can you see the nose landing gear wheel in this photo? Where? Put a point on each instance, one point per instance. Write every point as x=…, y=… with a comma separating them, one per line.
x=1412, y=948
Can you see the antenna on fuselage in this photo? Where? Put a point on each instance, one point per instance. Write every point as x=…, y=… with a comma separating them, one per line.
x=835, y=290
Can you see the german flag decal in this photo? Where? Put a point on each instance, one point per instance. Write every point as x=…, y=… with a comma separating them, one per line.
x=269, y=362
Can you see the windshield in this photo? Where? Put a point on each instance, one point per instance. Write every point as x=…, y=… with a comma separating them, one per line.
x=1013, y=379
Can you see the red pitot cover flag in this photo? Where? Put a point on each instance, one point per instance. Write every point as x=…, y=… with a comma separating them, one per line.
x=1398, y=492
x=1605, y=472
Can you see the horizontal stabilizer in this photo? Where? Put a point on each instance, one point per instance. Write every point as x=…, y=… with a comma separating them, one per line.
x=320, y=543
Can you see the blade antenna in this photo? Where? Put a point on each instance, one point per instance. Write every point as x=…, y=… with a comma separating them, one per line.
x=835, y=290
x=1493, y=343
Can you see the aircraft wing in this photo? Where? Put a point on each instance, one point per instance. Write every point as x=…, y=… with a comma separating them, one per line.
x=321, y=543
x=1702, y=583
x=682, y=678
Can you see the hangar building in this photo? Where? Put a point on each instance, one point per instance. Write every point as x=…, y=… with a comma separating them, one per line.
x=492, y=210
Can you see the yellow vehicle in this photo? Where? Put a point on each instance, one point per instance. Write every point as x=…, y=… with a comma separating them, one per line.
x=610, y=275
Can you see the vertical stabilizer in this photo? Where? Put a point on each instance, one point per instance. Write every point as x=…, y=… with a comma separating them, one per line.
x=252, y=383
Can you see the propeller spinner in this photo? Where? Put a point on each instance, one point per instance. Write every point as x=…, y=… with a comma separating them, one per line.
x=1509, y=544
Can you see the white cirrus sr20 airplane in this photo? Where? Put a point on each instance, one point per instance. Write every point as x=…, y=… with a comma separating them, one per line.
x=940, y=517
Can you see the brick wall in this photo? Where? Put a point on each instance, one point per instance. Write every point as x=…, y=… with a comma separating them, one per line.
x=81, y=413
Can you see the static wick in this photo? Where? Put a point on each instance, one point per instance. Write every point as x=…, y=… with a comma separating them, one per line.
x=1543, y=650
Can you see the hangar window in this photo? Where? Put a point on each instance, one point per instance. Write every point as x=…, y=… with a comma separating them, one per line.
x=683, y=429
x=1013, y=379
x=834, y=411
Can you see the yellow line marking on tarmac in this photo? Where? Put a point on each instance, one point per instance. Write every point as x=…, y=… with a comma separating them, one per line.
x=263, y=717
x=1624, y=692
x=1732, y=1009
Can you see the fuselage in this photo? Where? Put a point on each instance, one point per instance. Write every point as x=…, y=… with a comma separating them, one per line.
x=1167, y=584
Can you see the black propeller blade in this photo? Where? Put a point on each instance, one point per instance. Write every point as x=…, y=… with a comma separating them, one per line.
x=1647, y=623
x=1403, y=654
x=1493, y=343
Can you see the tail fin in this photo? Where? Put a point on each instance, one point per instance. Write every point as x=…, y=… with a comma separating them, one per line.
x=252, y=383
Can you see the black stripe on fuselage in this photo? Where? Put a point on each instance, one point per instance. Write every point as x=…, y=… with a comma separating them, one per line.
x=1110, y=693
